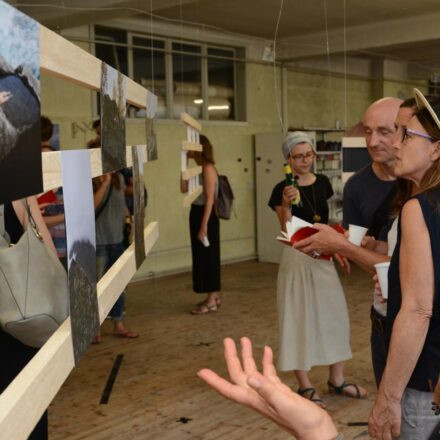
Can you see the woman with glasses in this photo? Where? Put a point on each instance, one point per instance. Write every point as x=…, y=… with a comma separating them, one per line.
x=404, y=402
x=312, y=312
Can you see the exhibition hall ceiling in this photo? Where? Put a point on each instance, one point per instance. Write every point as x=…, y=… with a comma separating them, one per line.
x=399, y=29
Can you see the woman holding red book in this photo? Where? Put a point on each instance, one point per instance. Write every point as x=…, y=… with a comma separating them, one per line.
x=312, y=312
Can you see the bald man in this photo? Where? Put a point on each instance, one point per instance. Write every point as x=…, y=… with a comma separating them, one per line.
x=368, y=193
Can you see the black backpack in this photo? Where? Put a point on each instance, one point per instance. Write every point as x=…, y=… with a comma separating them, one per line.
x=225, y=198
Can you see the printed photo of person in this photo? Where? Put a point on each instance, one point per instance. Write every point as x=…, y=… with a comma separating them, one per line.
x=20, y=153
x=113, y=112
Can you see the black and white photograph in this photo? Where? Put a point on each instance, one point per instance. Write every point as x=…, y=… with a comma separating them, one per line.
x=20, y=136
x=139, y=203
x=81, y=248
x=150, y=122
x=113, y=112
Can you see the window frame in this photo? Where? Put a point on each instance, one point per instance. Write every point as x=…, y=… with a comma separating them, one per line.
x=204, y=57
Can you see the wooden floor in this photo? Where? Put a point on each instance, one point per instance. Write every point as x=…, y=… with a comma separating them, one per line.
x=157, y=389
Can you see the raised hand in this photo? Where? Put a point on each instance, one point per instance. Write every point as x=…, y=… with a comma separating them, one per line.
x=266, y=394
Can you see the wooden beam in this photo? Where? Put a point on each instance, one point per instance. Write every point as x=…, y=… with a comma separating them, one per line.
x=51, y=163
x=63, y=59
x=118, y=276
x=28, y=396
x=191, y=146
x=187, y=119
x=187, y=200
x=187, y=174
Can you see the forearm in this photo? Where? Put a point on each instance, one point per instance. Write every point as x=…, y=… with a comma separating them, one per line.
x=99, y=193
x=407, y=340
x=53, y=220
x=325, y=430
x=183, y=185
x=361, y=256
x=285, y=216
x=209, y=204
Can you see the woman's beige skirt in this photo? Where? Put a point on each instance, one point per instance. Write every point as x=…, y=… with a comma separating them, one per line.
x=313, y=321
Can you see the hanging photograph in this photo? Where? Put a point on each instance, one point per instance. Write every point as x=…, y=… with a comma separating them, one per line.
x=139, y=203
x=113, y=111
x=150, y=121
x=81, y=248
x=20, y=134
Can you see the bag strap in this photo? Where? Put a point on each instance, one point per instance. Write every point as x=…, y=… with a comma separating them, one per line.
x=104, y=203
x=31, y=221
x=2, y=221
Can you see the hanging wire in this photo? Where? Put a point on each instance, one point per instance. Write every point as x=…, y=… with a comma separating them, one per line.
x=181, y=55
x=345, y=68
x=152, y=50
x=329, y=66
x=274, y=46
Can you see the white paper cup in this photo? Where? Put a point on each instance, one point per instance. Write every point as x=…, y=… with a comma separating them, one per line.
x=356, y=234
x=382, y=275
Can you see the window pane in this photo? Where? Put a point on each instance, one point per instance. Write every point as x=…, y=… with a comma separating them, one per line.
x=149, y=70
x=115, y=56
x=221, y=95
x=187, y=75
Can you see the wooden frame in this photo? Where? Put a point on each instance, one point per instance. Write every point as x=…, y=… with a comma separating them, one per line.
x=192, y=143
x=28, y=396
x=51, y=162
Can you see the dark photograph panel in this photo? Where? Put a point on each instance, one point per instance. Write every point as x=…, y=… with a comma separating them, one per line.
x=150, y=122
x=81, y=248
x=113, y=111
x=20, y=134
x=139, y=203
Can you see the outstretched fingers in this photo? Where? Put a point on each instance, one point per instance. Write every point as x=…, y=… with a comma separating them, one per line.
x=247, y=357
x=223, y=387
x=236, y=373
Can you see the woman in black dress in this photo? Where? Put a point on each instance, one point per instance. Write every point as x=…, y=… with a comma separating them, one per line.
x=205, y=232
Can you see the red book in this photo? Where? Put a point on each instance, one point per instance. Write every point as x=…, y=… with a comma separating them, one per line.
x=47, y=198
x=298, y=230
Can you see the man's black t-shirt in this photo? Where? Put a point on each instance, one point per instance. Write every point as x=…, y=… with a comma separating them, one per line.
x=367, y=201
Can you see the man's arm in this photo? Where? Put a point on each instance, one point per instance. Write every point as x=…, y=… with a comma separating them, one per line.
x=411, y=325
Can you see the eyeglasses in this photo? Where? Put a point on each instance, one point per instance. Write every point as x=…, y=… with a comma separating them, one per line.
x=407, y=133
x=307, y=155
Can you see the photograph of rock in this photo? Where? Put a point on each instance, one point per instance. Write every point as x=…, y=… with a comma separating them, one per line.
x=150, y=122
x=81, y=248
x=139, y=203
x=113, y=112
x=20, y=135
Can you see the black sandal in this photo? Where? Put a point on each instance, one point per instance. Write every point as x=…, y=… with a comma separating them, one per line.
x=303, y=391
x=341, y=390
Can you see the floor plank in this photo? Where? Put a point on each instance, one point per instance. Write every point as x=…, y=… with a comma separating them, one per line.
x=157, y=384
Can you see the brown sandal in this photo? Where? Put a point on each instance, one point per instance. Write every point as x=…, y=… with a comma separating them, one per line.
x=203, y=303
x=309, y=393
x=203, y=309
